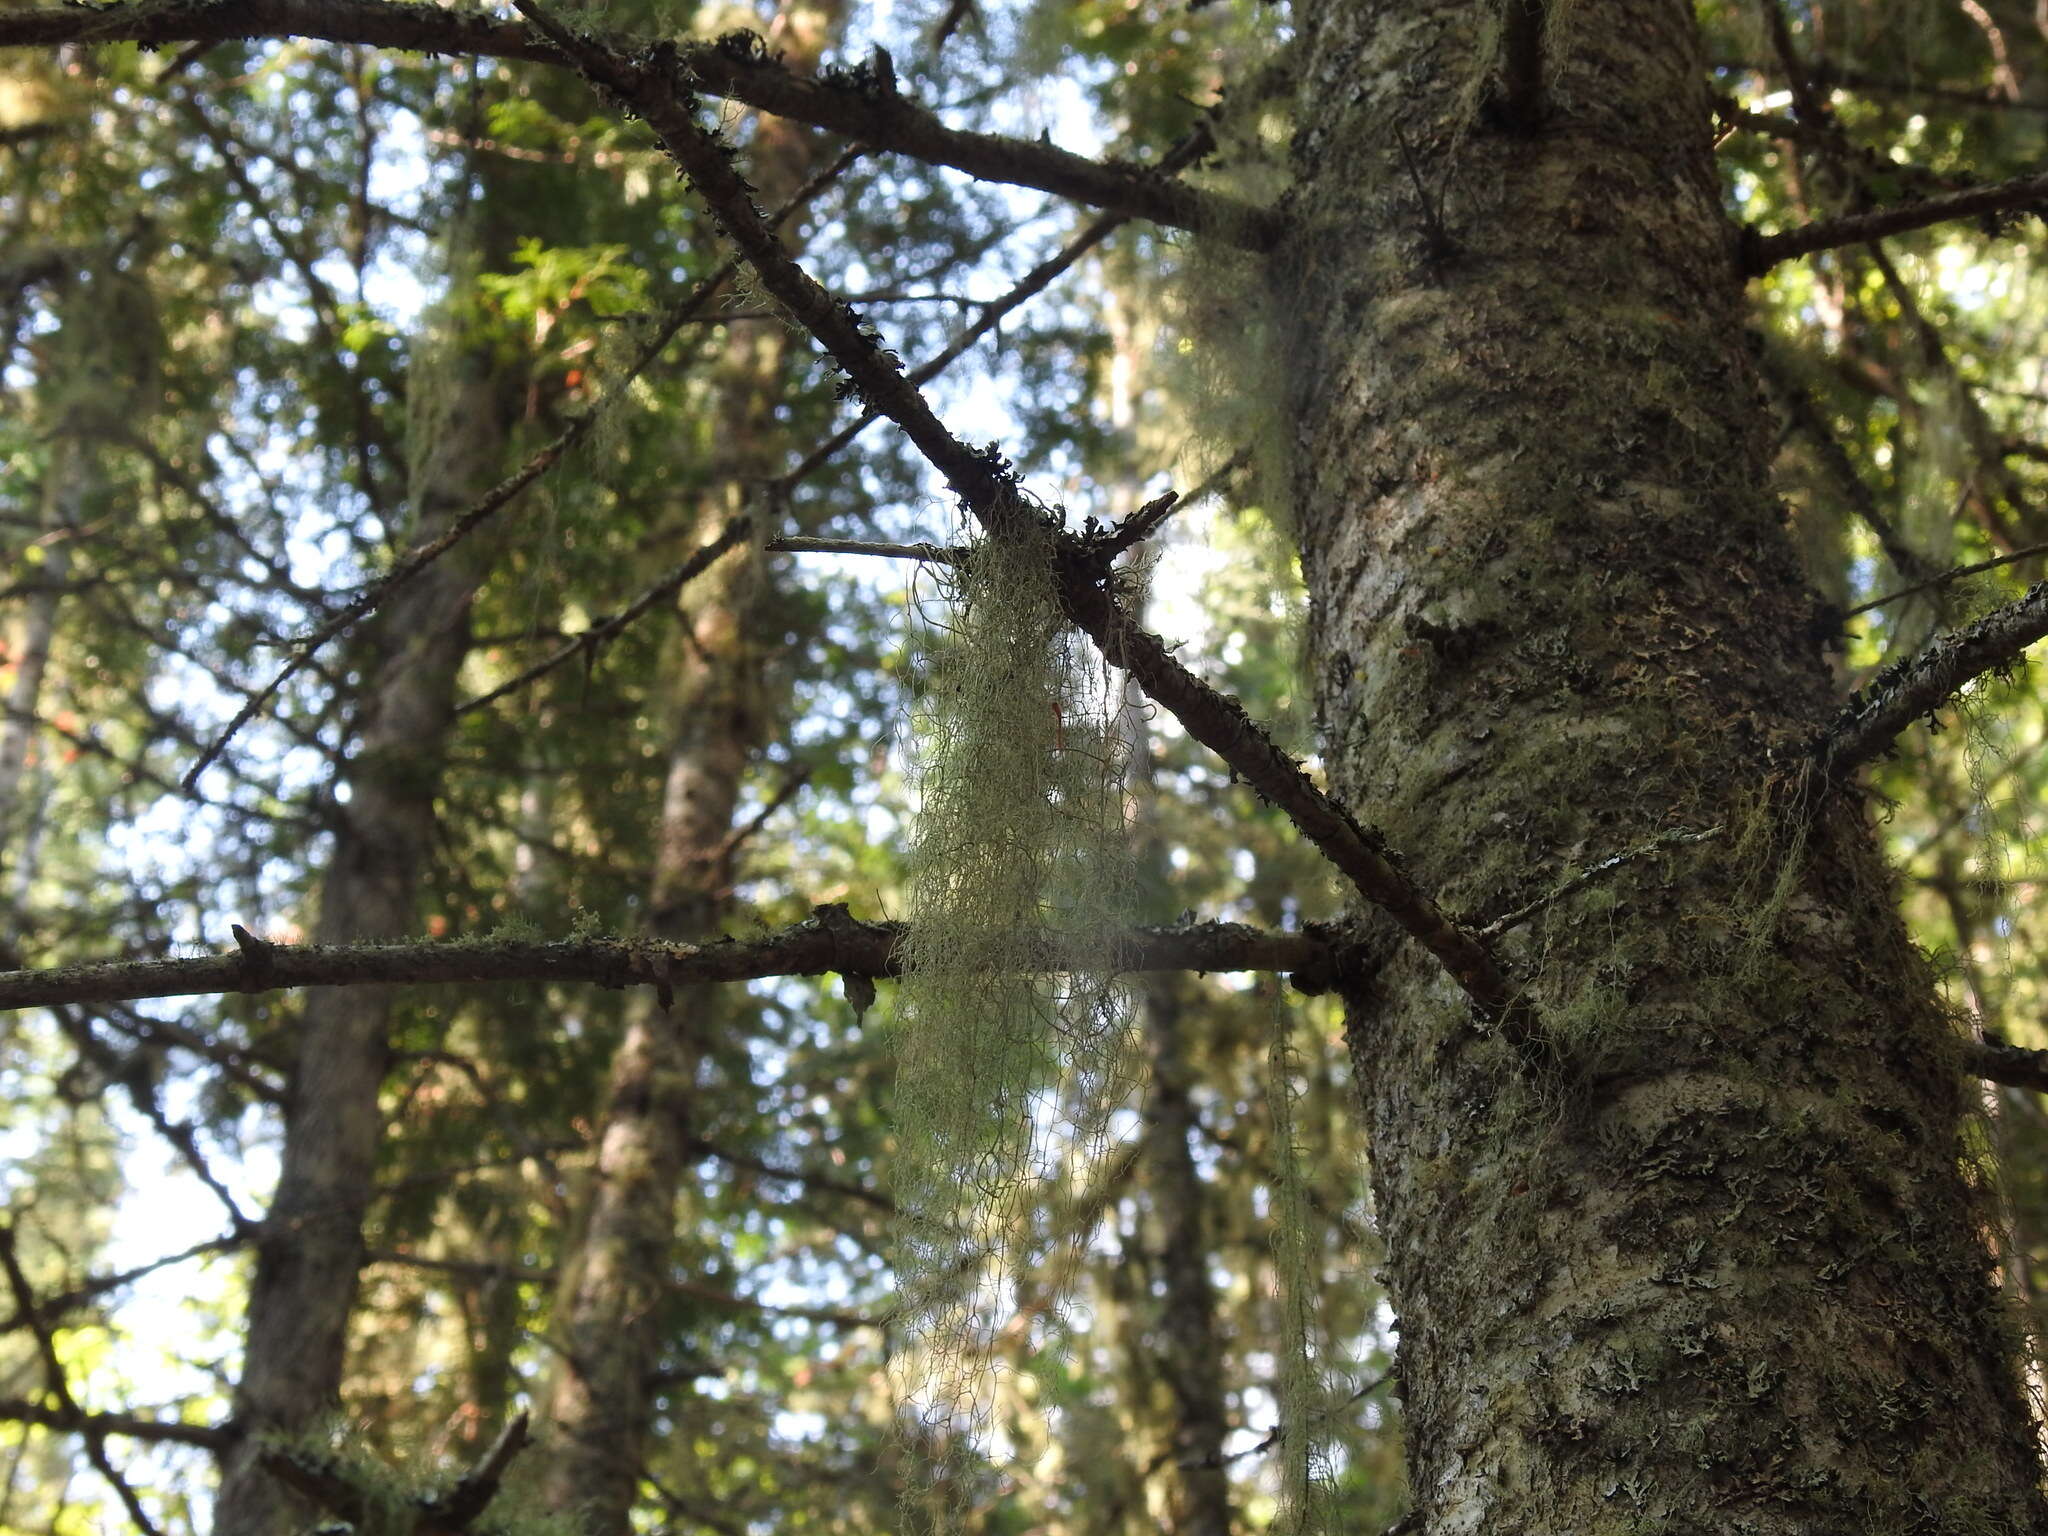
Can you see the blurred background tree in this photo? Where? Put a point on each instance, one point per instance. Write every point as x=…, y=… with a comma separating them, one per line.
x=276, y=311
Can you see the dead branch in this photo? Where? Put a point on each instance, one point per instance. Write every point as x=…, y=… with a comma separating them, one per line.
x=1913, y=689
x=2023, y=194
x=738, y=66
x=829, y=941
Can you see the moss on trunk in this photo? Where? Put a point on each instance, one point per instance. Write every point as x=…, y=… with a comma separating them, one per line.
x=1711, y=1259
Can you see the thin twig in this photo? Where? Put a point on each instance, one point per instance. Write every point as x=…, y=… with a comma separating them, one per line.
x=931, y=554
x=2022, y=194
x=1189, y=149
x=792, y=782
x=736, y=532
x=134, y=1077
x=1273, y=1435
x=93, y=1433
x=1676, y=838
x=56, y=1306
x=502, y=494
x=1956, y=573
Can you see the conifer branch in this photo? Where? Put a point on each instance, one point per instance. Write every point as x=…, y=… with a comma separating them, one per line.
x=931, y=554
x=207, y=1437
x=738, y=66
x=830, y=941
x=506, y=491
x=58, y=1386
x=2021, y=195
x=1909, y=690
x=984, y=483
x=1997, y=1062
x=51, y=1307
x=332, y=1485
x=1952, y=574
x=1185, y=153
x=586, y=643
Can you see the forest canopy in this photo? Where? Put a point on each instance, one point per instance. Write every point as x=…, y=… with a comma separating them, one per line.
x=826, y=769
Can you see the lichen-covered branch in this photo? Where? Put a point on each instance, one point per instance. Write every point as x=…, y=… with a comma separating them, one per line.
x=331, y=1483
x=830, y=941
x=1220, y=723
x=743, y=71
x=2023, y=194
x=1909, y=690
x=1997, y=1062
x=982, y=481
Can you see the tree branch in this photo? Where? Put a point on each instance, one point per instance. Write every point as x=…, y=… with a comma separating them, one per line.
x=983, y=482
x=863, y=107
x=1905, y=692
x=828, y=941
x=1760, y=253
x=1997, y=1062
x=58, y=1387
x=1190, y=149
x=934, y=554
x=208, y=1437
x=1954, y=573
x=56, y=1306
x=731, y=536
x=330, y=1484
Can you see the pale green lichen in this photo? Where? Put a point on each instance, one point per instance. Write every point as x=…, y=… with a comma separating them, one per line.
x=1008, y=1070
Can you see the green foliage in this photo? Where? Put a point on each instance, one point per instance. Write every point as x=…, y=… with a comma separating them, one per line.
x=551, y=278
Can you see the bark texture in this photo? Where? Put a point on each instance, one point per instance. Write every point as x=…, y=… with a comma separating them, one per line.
x=1704, y=1255
x=312, y=1244
x=1191, y=1354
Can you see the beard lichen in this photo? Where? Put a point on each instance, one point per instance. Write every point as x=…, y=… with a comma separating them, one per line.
x=1009, y=1063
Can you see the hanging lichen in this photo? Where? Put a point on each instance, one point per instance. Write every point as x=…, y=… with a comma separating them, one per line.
x=1008, y=1068
x=1228, y=364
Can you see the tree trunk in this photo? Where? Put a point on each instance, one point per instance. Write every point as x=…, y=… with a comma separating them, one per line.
x=611, y=1308
x=312, y=1245
x=1191, y=1355
x=25, y=650
x=1702, y=1256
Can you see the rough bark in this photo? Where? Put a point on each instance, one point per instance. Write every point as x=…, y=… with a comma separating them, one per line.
x=611, y=1305
x=1191, y=1357
x=312, y=1246
x=1701, y=1254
